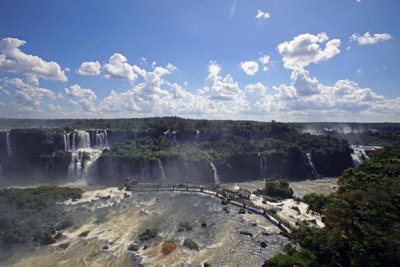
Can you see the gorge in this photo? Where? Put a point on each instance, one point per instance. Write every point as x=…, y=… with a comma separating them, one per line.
x=172, y=150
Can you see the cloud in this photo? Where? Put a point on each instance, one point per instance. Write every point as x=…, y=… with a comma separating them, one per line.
x=56, y=109
x=304, y=84
x=306, y=48
x=262, y=15
x=264, y=60
x=146, y=97
x=304, y=98
x=4, y=90
x=217, y=87
x=76, y=91
x=28, y=94
x=341, y=101
x=368, y=39
x=89, y=68
x=249, y=67
x=257, y=88
x=12, y=59
x=117, y=67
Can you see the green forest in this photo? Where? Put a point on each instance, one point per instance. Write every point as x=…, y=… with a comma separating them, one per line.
x=362, y=220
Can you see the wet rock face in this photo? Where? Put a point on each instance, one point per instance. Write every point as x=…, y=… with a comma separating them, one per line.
x=133, y=247
x=42, y=154
x=33, y=155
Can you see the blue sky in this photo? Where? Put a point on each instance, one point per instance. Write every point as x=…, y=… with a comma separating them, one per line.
x=331, y=60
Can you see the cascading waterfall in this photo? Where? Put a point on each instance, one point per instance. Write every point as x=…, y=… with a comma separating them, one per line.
x=263, y=166
x=9, y=150
x=106, y=136
x=101, y=139
x=216, y=177
x=65, y=141
x=84, y=158
x=73, y=141
x=145, y=169
x=174, y=136
x=197, y=135
x=166, y=134
x=160, y=165
x=313, y=170
x=171, y=136
x=359, y=155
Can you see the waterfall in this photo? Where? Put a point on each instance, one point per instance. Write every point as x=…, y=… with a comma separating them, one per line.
x=84, y=159
x=263, y=166
x=101, y=139
x=216, y=177
x=83, y=164
x=160, y=165
x=73, y=141
x=106, y=137
x=359, y=155
x=174, y=136
x=144, y=168
x=83, y=139
x=166, y=134
x=313, y=170
x=65, y=141
x=197, y=135
x=8, y=141
x=171, y=136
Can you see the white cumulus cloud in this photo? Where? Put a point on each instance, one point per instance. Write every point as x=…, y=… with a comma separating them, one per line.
x=306, y=48
x=89, y=68
x=29, y=95
x=118, y=67
x=262, y=14
x=265, y=61
x=12, y=59
x=257, y=88
x=249, y=67
x=368, y=39
x=76, y=91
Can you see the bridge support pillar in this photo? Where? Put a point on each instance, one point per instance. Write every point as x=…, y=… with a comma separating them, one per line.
x=201, y=189
x=187, y=188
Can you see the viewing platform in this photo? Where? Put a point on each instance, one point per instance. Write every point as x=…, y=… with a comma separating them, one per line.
x=232, y=198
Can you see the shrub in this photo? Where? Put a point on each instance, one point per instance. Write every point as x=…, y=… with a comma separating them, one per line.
x=84, y=234
x=68, y=222
x=189, y=243
x=147, y=234
x=184, y=226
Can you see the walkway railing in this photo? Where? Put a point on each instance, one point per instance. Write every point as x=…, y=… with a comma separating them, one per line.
x=232, y=198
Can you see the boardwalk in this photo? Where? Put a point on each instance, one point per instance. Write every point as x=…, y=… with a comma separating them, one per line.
x=232, y=198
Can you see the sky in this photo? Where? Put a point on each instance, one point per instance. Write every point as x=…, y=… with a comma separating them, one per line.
x=284, y=60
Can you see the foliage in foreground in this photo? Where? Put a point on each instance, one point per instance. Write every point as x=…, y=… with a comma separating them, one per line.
x=362, y=223
x=32, y=212
x=280, y=190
